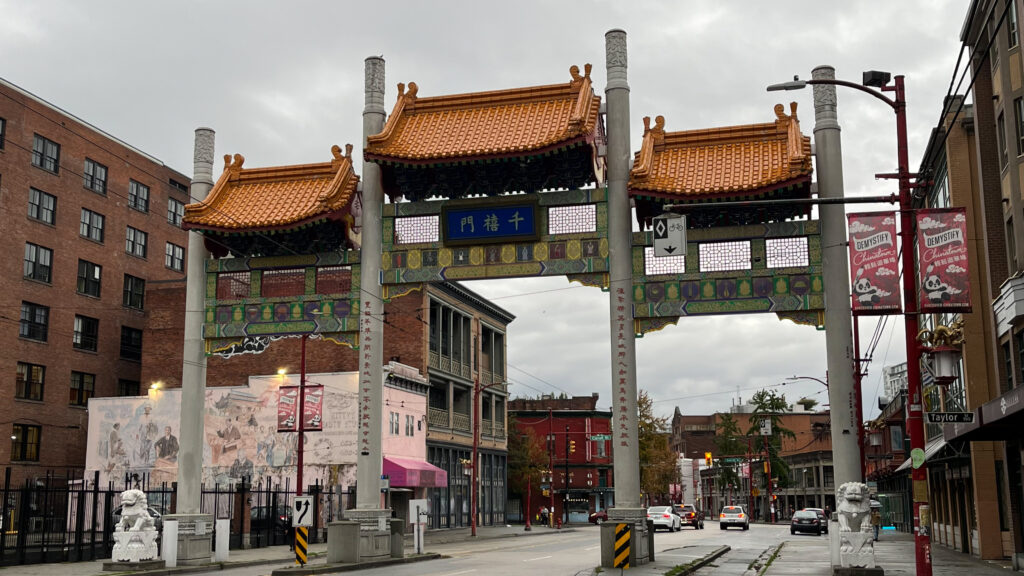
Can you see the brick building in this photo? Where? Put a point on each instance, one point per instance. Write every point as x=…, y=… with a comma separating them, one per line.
x=89, y=224
x=579, y=447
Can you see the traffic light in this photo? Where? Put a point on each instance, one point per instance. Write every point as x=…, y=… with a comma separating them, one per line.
x=572, y=446
x=707, y=459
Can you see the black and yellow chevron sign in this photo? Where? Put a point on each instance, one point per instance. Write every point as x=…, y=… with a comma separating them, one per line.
x=623, y=534
x=301, y=537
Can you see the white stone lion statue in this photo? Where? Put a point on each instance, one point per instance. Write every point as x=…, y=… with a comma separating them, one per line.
x=854, y=509
x=134, y=513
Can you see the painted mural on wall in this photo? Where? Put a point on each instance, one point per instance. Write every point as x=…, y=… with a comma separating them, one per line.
x=139, y=435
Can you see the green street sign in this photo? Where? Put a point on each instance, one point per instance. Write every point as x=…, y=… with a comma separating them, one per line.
x=916, y=458
x=599, y=437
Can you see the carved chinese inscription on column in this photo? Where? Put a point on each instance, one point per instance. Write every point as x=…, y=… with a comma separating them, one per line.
x=621, y=367
x=366, y=345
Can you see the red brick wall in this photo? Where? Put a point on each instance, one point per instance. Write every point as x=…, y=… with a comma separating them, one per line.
x=62, y=447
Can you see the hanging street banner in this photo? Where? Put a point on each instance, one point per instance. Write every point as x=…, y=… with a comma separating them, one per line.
x=874, y=263
x=944, y=278
x=288, y=408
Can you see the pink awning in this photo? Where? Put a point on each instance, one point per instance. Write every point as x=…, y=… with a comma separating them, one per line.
x=414, y=473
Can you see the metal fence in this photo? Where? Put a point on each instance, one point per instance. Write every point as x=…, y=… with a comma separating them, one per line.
x=67, y=518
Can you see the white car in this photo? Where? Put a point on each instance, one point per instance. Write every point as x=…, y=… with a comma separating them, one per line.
x=732, y=516
x=664, y=517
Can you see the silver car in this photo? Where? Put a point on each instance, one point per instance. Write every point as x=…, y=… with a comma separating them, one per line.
x=664, y=517
x=733, y=516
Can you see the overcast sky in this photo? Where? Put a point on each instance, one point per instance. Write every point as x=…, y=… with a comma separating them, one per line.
x=283, y=82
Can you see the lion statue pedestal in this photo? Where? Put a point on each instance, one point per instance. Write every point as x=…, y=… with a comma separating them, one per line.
x=855, y=541
x=135, y=536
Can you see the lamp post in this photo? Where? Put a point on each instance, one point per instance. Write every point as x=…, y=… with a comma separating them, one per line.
x=915, y=422
x=474, y=479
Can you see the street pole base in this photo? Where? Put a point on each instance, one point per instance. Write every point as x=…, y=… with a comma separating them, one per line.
x=858, y=571
x=195, y=538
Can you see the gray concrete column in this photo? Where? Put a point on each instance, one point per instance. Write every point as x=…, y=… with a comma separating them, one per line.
x=625, y=448
x=193, y=369
x=835, y=263
x=195, y=530
x=371, y=307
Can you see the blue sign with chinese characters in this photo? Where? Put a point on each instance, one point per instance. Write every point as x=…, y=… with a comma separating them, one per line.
x=486, y=224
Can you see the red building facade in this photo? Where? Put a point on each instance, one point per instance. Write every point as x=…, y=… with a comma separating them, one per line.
x=578, y=442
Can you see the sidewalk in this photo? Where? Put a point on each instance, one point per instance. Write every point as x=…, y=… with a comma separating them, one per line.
x=273, y=556
x=809, y=556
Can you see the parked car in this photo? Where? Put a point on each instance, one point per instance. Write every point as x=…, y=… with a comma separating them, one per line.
x=821, y=518
x=599, y=517
x=690, y=515
x=664, y=517
x=805, y=521
x=156, y=513
x=260, y=519
x=733, y=516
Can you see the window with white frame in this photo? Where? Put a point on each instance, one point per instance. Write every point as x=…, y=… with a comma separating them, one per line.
x=393, y=423
x=174, y=257
x=135, y=242
x=410, y=425
x=138, y=196
x=94, y=176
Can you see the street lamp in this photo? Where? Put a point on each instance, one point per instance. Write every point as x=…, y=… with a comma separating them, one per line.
x=474, y=479
x=915, y=422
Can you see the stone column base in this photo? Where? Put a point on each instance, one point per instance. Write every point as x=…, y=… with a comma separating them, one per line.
x=639, y=549
x=133, y=566
x=195, y=538
x=374, y=532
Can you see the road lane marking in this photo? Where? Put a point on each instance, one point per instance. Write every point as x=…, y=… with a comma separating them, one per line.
x=457, y=573
x=593, y=547
x=538, y=558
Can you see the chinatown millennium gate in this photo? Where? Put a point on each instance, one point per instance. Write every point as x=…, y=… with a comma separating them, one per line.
x=534, y=181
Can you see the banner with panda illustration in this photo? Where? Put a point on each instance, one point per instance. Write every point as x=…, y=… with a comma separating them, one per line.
x=943, y=274
x=287, y=408
x=874, y=263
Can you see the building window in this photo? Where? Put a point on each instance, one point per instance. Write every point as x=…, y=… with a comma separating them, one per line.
x=134, y=292
x=46, y=154
x=138, y=196
x=89, y=278
x=87, y=333
x=1007, y=360
x=131, y=343
x=410, y=425
x=393, y=423
x=174, y=257
x=1001, y=136
x=28, y=384
x=127, y=387
x=3, y=132
x=91, y=225
x=1011, y=25
x=175, y=211
x=83, y=386
x=1020, y=356
x=38, y=263
x=25, y=443
x=42, y=206
x=1018, y=114
x=135, y=242
x=35, y=321
x=95, y=177
x=178, y=185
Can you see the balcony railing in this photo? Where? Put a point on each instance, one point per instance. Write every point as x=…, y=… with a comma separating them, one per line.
x=461, y=422
x=447, y=364
x=438, y=418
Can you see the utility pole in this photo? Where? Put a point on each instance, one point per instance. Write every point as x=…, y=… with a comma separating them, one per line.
x=565, y=495
x=551, y=469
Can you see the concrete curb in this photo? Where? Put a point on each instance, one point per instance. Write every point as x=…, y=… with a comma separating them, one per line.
x=698, y=564
x=332, y=568
x=211, y=567
x=455, y=539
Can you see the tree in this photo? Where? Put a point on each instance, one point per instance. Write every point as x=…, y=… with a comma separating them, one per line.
x=728, y=442
x=807, y=403
x=658, y=467
x=527, y=458
x=771, y=406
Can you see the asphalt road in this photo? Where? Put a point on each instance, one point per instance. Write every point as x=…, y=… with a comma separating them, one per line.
x=575, y=552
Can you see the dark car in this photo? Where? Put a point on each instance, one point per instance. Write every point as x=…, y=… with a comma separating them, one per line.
x=690, y=515
x=821, y=518
x=280, y=523
x=805, y=521
x=155, y=513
